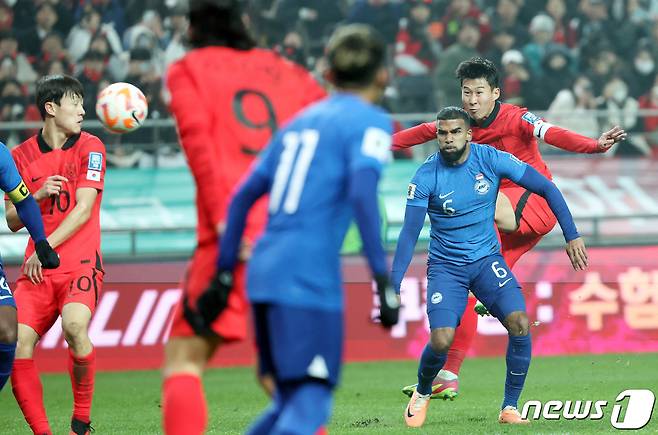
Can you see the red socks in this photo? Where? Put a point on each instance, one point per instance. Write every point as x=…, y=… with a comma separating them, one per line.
x=82, y=371
x=183, y=405
x=28, y=391
x=463, y=338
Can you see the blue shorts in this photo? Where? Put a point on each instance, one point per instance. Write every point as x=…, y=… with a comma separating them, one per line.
x=6, y=296
x=297, y=344
x=490, y=280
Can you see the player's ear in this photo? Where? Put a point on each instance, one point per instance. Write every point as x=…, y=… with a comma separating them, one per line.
x=469, y=135
x=496, y=93
x=381, y=78
x=50, y=108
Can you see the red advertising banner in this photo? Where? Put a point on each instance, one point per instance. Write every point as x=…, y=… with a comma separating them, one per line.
x=611, y=307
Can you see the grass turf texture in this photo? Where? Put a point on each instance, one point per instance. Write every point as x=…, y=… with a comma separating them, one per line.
x=369, y=400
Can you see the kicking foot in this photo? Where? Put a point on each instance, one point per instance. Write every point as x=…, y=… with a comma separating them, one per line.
x=511, y=415
x=441, y=388
x=416, y=410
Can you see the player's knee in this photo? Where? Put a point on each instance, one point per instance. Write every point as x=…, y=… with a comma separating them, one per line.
x=74, y=331
x=517, y=323
x=8, y=326
x=441, y=339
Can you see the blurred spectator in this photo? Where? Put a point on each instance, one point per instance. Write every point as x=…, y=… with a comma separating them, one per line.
x=640, y=72
x=594, y=29
x=111, y=11
x=25, y=74
x=13, y=107
x=505, y=21
x=148, y=32
x=143, y=73
x=293, y=48
x=464, y=49
x=653, y=37
x=415, y=56
x=25, y=12
x=6, y=18
x=517, y=84
x=458, y=13
x=627, y=19
x=649, y=101
x=542, y=30
x=383, y=15
x=565, y=32
x=30, y=38
x=556, y=75
x=93, y=71
x=503, y=41
x=176, y=24
x=622, y=109
x=601, y=68
x=52, y=48
x=572, y=108
x=79, y=40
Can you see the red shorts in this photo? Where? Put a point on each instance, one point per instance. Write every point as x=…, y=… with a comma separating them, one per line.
x=39, y=305
x=535, y=220
x=231, y=325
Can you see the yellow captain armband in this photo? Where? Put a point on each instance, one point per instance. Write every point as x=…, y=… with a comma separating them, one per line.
x=19, y=193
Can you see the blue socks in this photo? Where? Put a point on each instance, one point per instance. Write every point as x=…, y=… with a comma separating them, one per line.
x=430, y=364
x=519, y=352
x=298, y=408
x=7, y=352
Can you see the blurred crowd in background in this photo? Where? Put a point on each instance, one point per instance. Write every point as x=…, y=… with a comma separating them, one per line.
x=587, y=64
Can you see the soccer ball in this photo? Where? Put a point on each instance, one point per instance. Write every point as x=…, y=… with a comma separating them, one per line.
x=121, y=107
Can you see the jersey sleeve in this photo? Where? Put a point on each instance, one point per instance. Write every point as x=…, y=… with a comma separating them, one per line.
x=509, y=166
x=92, y=164
x=10, y=180
x=420, y=187
x=414, y=136
x=195, y=136
x=370, y=146
x=532, y=125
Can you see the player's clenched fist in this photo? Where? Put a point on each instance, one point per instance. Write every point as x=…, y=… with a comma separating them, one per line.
x=52, y=186
x=389, y=304
x=210, y=304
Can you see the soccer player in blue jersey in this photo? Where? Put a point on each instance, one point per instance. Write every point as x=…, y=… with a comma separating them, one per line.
x=28, y=211
x=320, y=171
x=457, y=188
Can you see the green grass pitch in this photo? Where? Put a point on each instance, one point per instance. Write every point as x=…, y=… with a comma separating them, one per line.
x=368, y=401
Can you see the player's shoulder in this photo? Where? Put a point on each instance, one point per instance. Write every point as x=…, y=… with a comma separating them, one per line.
x=88, y=140
x=25, y=148
x=519, y=114
x=429, y=164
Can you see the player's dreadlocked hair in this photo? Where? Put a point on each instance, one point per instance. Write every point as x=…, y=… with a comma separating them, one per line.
x=478, y=68
x=355, y=53
x=51, y=89
x=453, y=112
x=218, y=22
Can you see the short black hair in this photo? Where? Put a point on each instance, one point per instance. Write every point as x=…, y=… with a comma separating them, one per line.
x=453, y=112
x=478, y=68
x=218, y=22
x=51, y=89
x=355, y=53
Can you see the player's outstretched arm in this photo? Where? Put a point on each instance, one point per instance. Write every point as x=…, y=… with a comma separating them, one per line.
x=570, y=141
x=363, y=197
x=215, y=298
x=413, y=136
x=414, y=219
x=537, y=183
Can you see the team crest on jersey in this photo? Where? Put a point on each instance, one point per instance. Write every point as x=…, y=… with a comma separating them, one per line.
x=530, y=117
x=95, y=161
x=411, y=191
x=482, y=185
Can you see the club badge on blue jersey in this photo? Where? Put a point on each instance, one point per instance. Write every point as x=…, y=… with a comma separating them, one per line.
x=482, y=185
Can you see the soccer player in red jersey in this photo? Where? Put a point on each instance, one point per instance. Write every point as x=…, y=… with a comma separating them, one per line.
x=227, y=98
x=522, y=218
x=65, y=167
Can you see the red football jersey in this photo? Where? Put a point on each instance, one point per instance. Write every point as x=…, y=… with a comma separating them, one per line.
x=509, y=128
x=227, y=104
x=82, y=161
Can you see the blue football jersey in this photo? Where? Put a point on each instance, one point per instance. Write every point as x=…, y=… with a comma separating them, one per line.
x=309, y=164
x=461, y=202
